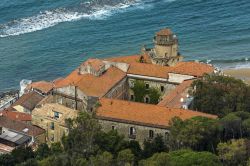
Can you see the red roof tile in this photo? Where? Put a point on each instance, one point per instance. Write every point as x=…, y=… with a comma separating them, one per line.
x=29, y=100
x=20, y=126
x=130, y=59
x=93, y=85
x=140, y=113
x=192, y=68
x=19, y=116
x=172, y=99
x=42, y=86
x=148, y=70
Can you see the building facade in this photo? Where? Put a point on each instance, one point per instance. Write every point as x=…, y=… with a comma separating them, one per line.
x=139, y=121
x=51, y=117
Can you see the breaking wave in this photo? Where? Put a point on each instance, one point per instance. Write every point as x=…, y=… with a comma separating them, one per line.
x=230, y=64
x=94, y=10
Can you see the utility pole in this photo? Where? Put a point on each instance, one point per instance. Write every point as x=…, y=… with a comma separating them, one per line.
x=76, y=97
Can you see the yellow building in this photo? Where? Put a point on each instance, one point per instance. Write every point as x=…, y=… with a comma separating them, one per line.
x=51, y=117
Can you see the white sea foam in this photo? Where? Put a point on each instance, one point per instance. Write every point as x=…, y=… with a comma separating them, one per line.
x=242, y=65
x=51, y=18
x=43, y=20
x=234, y=65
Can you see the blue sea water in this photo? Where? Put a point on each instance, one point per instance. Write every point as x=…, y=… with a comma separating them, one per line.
x=46, y=39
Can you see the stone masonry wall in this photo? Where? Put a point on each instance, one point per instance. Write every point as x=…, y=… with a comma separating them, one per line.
x=142, y=132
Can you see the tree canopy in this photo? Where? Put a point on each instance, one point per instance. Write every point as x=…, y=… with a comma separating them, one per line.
x=141, y=91
x=198, y=133
x=221, y=95
x=182, y=158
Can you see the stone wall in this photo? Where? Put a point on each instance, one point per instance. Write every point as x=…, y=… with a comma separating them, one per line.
x=74, y=98
x=119, y=91
x=163, y=51
x=142, y=132
x=122, y=66
x=40, y=139
x=52, y=135
x=88, y=69
x=162, y=87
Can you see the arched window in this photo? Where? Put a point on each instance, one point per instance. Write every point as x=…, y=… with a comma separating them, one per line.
x=151, y=134
x=132, y=97
x=146, y=99
x=162, y=88
x=166, y=136
x=132, y=131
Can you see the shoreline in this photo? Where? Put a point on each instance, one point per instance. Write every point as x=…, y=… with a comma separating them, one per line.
x=240, y=73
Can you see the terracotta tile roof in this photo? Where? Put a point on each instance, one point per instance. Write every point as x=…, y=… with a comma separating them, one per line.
x=57, y=80
x=149, y=70
x=19, y=116
x=20, y=126
x=92, y=85
x=99, y=86
x=130, y=59
x=164, y=32
x=172, y=99
x=185, y=68
x=46, y=99
x=5, y=148
x=96, y=64
x=140, y=113
x=42, y=86
x=192, y=68
x=29, y=100
x=71, y=79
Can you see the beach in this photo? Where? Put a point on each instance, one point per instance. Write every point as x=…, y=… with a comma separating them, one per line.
x=242, y=73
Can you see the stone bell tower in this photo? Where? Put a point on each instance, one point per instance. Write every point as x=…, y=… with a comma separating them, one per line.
x=165, y=51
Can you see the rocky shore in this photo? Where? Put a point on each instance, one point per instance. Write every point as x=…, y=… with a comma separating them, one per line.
x=7, y=98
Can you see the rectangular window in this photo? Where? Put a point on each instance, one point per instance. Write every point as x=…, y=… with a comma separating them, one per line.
x=131, y=83
x=162, y=88
x=132, y=97
x=52, y=126
x=113, y=127
x=147, y=86
x=151, y=134
x=132, y=133
x=56, y=115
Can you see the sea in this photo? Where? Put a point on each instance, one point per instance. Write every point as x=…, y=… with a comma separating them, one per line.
x=47, y=39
